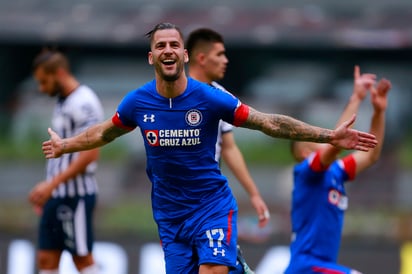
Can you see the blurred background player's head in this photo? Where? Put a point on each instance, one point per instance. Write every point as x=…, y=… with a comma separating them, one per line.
x=50, y=69
x=207, y=55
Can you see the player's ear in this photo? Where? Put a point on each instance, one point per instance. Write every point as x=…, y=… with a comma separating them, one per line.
x=186, y=56
x=60, y=72
x=150, y=58
x=200, y=58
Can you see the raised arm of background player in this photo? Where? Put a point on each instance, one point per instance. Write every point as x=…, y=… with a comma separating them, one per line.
x=364, y=160
x=379, y=101
x=362, y=83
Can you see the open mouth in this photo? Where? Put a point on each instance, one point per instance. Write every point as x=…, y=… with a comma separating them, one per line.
x=168, y=62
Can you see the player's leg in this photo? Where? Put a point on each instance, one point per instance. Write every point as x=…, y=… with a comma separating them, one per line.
x=48, y=260
x=55, y=271
x=213, y=268
x=82, y=234
x=332, y=268
x=179, y=257
x=85, y=264
x=179, y=254
x=50, y=244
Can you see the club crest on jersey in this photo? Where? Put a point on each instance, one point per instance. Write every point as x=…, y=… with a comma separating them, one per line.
x=152, y=137
x=338, y=199
x=193, y=117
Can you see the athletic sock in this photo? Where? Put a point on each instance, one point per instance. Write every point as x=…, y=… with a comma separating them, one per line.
x=92, y=269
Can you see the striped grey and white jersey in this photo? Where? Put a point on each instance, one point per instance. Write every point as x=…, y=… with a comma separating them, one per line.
x=224, y=127
x=72, y=115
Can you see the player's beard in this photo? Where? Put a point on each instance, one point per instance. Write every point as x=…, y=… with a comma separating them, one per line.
x=171, y=76
x=57, y=90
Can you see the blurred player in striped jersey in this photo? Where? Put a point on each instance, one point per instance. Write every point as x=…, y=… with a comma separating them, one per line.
x=66, y=198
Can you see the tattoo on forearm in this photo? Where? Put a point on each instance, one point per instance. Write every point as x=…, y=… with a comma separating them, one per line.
x=282, y=126
x=64, y=146
x=111, y=133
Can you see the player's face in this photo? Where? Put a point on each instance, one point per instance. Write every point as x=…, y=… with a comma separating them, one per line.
x=168, y=54
x=47, y=82
x=215, y=62
x=304, y=149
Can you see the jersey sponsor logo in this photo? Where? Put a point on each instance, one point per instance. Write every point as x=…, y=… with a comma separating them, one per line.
x=173, y=137
x=193, y=117
x=338, y=199
x=149, y=118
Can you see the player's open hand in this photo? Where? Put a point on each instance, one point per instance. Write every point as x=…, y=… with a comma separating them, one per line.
x=379, y=98
x=362, y=83
x=54, y=147
x=347, y=138
x=261, y=210
x=40, y=194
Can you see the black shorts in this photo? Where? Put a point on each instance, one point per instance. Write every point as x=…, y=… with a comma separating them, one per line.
x=67, y=224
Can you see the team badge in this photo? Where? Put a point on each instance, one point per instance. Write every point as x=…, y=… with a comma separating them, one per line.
x=338, y=199
x=152, y=137
x=193, y=117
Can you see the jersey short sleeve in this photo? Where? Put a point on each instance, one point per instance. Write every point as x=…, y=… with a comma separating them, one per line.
x=125, y=112
x=348, y=164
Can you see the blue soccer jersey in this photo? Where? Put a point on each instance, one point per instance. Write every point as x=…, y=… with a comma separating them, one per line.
x=318, y=204
x=191, y=200
x=180, y=136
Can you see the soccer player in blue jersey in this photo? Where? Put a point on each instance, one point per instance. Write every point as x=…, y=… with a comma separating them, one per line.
x=66, y=198
x=319, y=199
x=178, y=117
x=207, y=63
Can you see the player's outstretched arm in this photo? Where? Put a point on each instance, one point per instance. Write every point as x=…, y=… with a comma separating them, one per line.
x=93, y=137
x=282, y=126
x=233, y=158
x=379, y=101
x=362, y=83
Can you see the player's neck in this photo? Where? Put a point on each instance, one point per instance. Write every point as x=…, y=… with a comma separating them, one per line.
x=171, y=89
x=199, y=76
x=70, y=86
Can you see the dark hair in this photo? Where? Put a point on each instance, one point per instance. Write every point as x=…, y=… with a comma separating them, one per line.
x=162, y=26
x=200, y=36
x=50, y=60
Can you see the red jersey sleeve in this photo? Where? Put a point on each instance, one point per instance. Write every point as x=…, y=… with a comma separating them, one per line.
x=315, y=163
x=241, y=114
x=118, y=123
x=349, y=165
